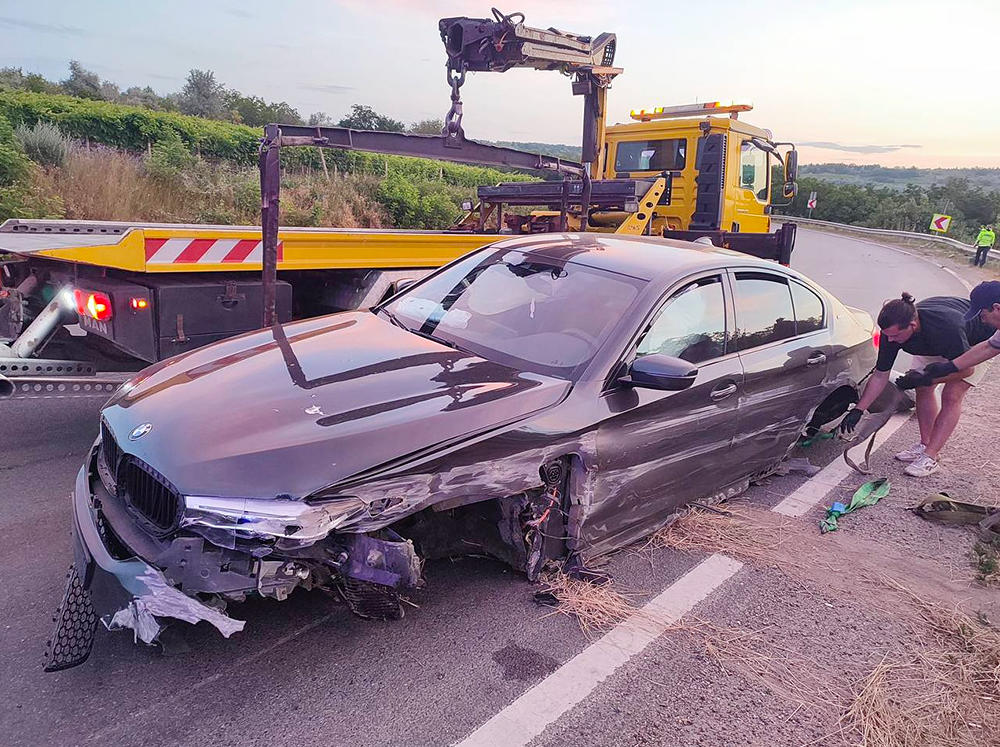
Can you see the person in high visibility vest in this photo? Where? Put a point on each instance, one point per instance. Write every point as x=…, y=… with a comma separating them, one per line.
x=984, y=242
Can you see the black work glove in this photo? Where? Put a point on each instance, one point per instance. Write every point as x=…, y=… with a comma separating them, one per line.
x=850, y=421
x=940, y=370
x=913, y=379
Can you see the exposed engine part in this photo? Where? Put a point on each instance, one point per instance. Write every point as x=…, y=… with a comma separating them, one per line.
x=76, y=622
x=391, y=562
x=371, y=601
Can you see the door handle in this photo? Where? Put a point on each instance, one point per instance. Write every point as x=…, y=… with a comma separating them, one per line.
x=721, y=392
x=815, y=359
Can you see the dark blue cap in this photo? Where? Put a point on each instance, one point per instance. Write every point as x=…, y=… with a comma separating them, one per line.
x=983, y=296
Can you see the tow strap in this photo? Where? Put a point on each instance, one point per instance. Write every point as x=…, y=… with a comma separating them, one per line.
x=891, y=401
x=942, y=508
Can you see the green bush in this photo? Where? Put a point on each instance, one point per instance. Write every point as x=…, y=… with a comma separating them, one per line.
x=400, y=199
x=131, y=127
x=14, y=164
x=169, y=158
x=138, y=129
x=43, y=143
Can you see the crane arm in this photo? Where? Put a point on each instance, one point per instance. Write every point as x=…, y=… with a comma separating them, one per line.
x=504, y=42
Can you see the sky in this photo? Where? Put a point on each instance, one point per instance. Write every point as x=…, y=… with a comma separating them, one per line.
x=892, y=82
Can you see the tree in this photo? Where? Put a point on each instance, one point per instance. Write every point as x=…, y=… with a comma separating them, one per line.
x=320, y=119
x=366, y=118
x=255, y=112
x=427, y=127
x=82, y=82
x=145, y=97
x=203, y=95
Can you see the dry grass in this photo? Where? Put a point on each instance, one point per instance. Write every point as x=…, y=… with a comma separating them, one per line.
x=105, y=184
x=100, y=183
x=597, y=608
x=734, y=531
x=945, y=692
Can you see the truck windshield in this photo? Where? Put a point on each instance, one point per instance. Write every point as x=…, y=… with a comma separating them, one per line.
x=520, y=309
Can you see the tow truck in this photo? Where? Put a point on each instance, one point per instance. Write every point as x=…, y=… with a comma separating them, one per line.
x=83, y=304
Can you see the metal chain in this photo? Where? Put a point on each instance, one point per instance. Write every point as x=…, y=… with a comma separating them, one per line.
x=453, y=120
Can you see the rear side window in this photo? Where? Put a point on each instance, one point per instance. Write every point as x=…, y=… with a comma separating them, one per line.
x=764, y=311
x=691, y=325
x=651, y=155
x=809, y=315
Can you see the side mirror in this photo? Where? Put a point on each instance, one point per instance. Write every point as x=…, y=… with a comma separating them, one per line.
x=656, y=371
x=791, y=167
x=789, y=190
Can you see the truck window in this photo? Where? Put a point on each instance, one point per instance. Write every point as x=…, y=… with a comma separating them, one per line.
x=753, y=170
x=651, y=155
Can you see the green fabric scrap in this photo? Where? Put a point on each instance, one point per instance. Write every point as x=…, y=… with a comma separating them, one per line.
x=805, y=443
x=867, y=495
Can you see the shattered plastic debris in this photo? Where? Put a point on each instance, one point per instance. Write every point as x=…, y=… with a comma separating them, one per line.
x=867, y=495
x=163, y=600
x=798, y=464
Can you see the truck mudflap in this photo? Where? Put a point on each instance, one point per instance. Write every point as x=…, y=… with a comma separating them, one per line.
x=776, y=245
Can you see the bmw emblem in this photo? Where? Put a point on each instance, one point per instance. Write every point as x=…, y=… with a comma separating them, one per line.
x=139, y=431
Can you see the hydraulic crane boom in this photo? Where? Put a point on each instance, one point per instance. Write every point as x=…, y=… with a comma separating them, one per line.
x=504, y=42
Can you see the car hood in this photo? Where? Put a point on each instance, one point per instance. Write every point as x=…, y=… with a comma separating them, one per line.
x=289, y=410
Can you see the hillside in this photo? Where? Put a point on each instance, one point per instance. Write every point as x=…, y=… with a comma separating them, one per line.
x=899, y=177
x=70, y=157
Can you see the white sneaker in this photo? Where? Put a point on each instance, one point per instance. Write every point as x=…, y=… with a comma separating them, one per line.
x=911, y=454
x=922, y=467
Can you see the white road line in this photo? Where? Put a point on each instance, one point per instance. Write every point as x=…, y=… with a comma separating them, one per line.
x=529, y=715
x=816, y=489
x=959, y=278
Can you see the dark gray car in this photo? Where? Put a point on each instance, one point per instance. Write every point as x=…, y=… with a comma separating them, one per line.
x=542, y=400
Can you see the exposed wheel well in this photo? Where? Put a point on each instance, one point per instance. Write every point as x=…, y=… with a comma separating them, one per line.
x=831, y=408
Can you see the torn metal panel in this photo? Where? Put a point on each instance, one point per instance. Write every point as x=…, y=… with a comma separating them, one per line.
x=163, y=600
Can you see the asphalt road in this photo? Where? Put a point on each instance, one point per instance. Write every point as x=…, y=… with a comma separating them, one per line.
x=306, y=671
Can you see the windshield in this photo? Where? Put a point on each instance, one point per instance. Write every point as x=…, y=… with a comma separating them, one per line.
x=519, y=309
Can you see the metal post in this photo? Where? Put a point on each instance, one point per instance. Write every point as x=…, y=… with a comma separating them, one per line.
x=270, y=192
x=47, y=323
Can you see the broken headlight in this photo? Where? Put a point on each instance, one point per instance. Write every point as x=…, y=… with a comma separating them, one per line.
x=280, y=518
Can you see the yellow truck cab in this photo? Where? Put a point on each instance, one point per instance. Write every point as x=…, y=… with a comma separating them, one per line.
x=719, y=170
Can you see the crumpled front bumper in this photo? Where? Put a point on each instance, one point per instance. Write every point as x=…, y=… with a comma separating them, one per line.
x=123, y=593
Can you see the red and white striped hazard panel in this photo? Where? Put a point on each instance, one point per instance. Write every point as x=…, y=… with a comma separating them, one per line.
x=206, y=251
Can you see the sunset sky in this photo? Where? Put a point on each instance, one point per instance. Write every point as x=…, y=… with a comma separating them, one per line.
x=871, y=81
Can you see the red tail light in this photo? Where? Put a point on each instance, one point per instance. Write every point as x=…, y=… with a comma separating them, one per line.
x=94, y=304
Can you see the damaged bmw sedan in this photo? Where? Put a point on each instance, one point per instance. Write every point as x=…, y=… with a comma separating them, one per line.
x=543, y=400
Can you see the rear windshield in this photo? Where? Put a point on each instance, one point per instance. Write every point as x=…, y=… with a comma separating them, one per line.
x=520, y=309
x=651, y=155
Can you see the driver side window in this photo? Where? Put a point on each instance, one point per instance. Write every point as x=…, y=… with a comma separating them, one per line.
x=691, y=325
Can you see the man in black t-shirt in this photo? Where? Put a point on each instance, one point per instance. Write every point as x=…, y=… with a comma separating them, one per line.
x=936, y=331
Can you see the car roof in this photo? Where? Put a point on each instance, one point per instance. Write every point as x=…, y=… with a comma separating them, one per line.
x=641, y=257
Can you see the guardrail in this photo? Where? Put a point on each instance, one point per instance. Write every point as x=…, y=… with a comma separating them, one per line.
x=925, y=238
